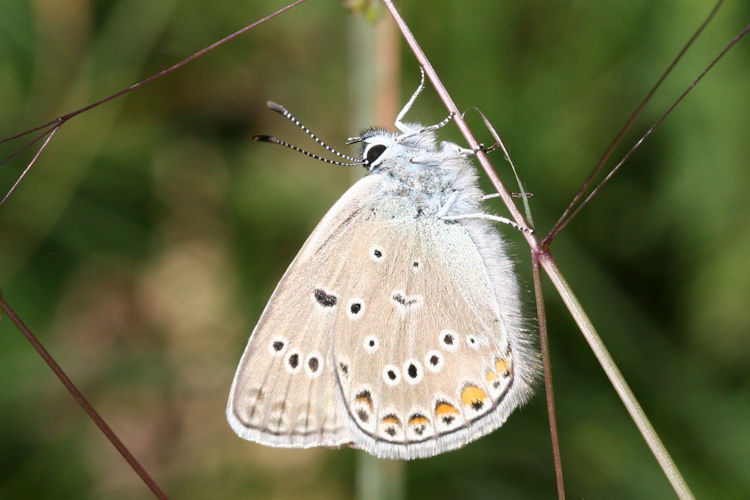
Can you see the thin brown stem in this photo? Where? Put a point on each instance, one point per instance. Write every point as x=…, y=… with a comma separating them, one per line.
x=547, y=365
x=79, y=397
x=615, y=377
x=58, y=122
x=571, y=210
x=49, y=134
x=548, y=264
x=33, y=141
x=651, y=129
x=196, y=55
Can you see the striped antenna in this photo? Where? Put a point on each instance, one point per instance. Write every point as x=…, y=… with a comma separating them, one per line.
x=286, y=114
x=274, y=140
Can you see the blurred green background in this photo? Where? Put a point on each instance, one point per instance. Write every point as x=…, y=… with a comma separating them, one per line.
x=144, y=244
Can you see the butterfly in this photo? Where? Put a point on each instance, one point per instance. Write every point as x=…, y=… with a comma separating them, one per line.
x=398, y=328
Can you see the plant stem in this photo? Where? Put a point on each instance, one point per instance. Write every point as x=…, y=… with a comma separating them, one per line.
x=548, y=386
x=615, y=377
x=548, y=264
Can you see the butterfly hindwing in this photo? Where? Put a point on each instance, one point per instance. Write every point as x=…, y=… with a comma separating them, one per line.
x=422, y=351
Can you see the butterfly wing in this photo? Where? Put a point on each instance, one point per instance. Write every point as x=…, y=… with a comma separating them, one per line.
x=393, y=331
x=284, y=391
x=429, y=351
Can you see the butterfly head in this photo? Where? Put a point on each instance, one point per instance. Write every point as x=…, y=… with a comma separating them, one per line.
x=383, y=149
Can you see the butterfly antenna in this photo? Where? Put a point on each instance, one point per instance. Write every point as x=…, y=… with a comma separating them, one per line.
x=274, y=140
x=286, y=114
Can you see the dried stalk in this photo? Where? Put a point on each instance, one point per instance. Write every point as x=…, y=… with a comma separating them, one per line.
x=545, y=259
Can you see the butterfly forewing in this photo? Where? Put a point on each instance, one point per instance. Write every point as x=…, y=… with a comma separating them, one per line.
x=284, y=391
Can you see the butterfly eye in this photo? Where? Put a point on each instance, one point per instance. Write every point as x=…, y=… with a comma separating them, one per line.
x=373, y=153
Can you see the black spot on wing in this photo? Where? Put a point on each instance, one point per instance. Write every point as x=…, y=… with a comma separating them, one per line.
x=324, y=299
x=313, y=364
x=294, y=360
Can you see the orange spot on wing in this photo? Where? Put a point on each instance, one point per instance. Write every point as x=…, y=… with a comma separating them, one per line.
x=490, y=376
x=501, y=366
x=472, y=395
x=365, y=399
x=418, y=420
x=391, y=419
x=445, y=409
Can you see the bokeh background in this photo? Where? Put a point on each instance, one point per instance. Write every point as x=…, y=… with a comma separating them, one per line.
x=144, y=244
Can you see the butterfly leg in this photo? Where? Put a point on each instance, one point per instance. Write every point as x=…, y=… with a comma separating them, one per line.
x=490, y=217
x=461, y=152
x=399, y=119
x=514, y=195
x=448, y=205
x=490, y=127
x=406, y=129
x=457, y=151
x=445, y=121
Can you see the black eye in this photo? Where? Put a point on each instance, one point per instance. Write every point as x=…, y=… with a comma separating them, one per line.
x=374, y=153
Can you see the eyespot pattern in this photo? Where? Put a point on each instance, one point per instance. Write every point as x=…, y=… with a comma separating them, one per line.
x=371, y=344
x=391, y=375
x=434, y=361
x=412, y=371
x=449, y=340
x=277, y=346
x=456, y=402
x=293, y=361
x=376, y=254
x=314, y=364
x=355, y=308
